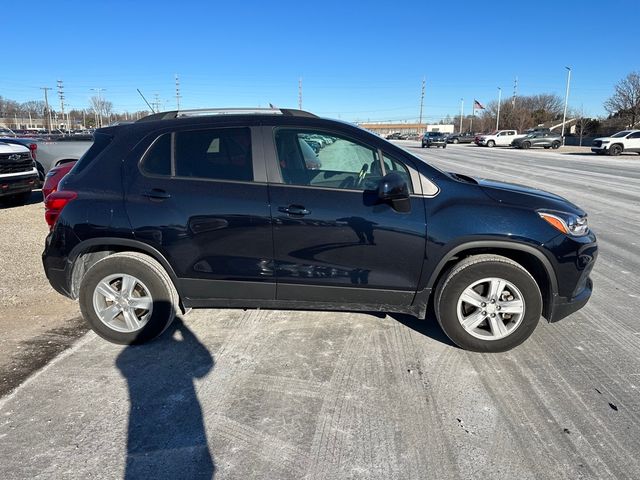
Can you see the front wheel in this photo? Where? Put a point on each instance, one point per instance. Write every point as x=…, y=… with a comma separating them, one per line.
x=615, y=150
x=491, y=144
x=127, y=298
x=526, y=145
x=488, y=303
x=555, y=145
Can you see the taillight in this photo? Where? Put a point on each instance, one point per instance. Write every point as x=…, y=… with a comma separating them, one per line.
x=54, y=203
x=33, y=147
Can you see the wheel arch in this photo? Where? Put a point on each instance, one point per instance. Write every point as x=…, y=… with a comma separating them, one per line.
x=534, y=261
x=84, y=255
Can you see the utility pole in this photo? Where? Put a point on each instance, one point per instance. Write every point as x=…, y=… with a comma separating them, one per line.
x=157, y=102
x=300, y=93
x=61, y=96
x=499, y=100
x=178, y=96
x=461, y=113
x=47, y=112
x=566, y=102
x=515, y=92
x=421, y=102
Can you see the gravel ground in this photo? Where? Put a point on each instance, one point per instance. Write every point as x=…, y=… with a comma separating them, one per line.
x=35, y=321
x=323, y=395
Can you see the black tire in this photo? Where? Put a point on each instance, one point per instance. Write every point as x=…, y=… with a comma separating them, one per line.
x=473, y=269
x=615, y=150
x=555, y=145
x=423, y=145
x=547, y=147
x=491, y=144
x=526, y=145
x=428, y=146
x=444, y=146
x=455, y=141
x=155, y=278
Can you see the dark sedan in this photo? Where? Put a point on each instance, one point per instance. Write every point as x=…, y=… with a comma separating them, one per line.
x=461, y=138
x=538, y=139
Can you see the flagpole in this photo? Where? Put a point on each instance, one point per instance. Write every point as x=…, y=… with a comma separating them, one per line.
x=473, y=114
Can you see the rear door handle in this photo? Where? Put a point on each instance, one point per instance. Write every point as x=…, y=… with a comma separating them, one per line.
x=294, y=210
x=156, y=194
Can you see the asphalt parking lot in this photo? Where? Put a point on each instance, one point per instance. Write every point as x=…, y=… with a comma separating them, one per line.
x=325, y=395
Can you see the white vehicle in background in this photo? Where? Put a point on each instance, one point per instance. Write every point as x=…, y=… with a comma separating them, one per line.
x=624, y=141
x=501, y=138
x=18, y=173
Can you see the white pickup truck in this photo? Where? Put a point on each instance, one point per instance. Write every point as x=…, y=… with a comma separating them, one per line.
x=18, y=173
x=501, y=138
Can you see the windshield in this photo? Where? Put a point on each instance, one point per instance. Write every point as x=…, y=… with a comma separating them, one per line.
x=624, y=133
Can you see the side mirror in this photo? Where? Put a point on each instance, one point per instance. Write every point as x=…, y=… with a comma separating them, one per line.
x=393, y=187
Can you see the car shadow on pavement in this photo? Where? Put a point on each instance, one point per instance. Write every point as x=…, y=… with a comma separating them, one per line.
x=166, y=435
x=428, y=327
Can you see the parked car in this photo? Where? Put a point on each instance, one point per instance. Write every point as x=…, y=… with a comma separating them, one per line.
x=6, y=132
x=500, y=138
x=624, y=141
x=394, y=136
x=179, y=210
x=456, y=138
x=50, y=152
x=538, y=139
x=18, y=173
x=55, y=175
x=434, y=139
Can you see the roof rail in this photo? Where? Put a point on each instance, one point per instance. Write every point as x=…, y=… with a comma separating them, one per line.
x=205, y=112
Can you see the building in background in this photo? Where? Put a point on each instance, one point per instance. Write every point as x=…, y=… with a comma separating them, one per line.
x=385, y=128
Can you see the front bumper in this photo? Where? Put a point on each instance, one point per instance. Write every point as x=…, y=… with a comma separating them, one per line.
x=563, y=307
x=598, y=149
x=18, y=183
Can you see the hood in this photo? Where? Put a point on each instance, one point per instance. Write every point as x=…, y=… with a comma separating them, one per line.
x=521, y=195
x=12, y=148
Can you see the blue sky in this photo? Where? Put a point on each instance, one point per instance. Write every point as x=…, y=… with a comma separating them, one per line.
x=358, y=60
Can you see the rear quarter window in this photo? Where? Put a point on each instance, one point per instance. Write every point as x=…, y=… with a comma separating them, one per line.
x=100, y=142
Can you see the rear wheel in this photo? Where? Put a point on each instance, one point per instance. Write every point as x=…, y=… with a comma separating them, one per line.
x=615, y=150
x=128, y=298
x=491, y=143
x=488, y=303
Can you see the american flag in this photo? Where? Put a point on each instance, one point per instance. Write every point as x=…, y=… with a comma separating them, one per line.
x=477, y=105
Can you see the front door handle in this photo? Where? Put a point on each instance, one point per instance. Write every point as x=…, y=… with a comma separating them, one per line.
x=156, y=194
x=294, y=210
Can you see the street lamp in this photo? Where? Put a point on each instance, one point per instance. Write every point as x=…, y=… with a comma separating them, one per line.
x=566, y=102
x=498, y=117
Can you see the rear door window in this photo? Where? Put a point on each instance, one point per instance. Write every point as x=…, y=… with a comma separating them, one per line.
x=212, y=154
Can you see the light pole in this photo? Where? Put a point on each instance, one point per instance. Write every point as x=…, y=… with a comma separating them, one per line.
x=566, y=102
x=461, y=113
x=498, y=117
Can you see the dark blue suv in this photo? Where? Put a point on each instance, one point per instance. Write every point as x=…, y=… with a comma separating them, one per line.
x=234, y=208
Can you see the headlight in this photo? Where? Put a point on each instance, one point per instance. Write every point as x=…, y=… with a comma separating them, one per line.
x=567, y=223
x=604, y=141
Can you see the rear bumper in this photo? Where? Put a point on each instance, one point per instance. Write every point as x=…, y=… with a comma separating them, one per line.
x=14, y=184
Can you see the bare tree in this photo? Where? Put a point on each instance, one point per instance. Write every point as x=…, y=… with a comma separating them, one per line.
x=625, y=102
x=101, y=107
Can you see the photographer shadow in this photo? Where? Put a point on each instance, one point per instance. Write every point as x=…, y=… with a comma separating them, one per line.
x=166, y=434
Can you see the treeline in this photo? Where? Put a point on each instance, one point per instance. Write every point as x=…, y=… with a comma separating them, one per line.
x=89, y=117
